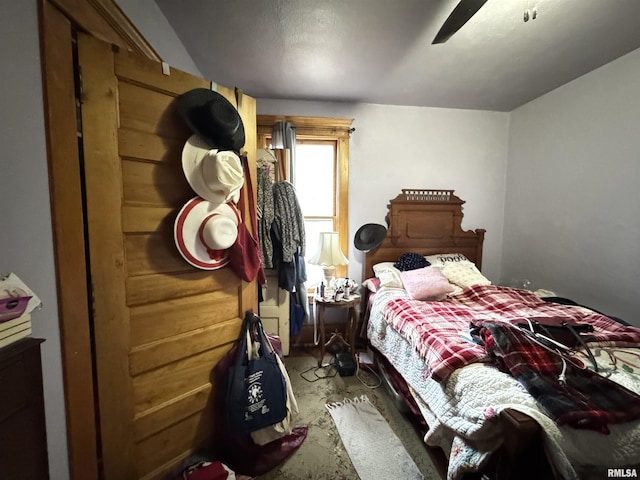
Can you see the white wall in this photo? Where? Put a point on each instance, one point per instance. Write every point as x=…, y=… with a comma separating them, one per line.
x=572, y=220
x=27, y=243
x=397, y=147
x=151, y=22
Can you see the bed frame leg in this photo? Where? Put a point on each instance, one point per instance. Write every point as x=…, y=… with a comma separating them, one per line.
x=522, y=455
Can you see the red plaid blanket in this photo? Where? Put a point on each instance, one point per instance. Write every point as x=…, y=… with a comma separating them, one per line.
x=433, y=328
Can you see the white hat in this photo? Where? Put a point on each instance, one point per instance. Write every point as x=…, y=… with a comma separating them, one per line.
x=213, y=174
x=203, y=231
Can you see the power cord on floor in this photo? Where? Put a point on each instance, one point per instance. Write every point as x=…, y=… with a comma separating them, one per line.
x=368, y=371
x=329, y=370
x=364, y=374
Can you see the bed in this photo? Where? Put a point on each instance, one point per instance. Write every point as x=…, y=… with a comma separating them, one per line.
x=484, y=420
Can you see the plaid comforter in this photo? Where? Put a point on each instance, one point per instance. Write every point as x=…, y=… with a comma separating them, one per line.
x=434, y=328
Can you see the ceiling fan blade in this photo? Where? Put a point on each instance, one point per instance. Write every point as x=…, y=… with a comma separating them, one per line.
x=460, y=15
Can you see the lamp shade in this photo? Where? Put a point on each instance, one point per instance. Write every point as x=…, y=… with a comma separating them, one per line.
x=328, y=253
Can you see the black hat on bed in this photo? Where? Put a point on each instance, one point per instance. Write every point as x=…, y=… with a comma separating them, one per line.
x=369, y=236
x=213, y=118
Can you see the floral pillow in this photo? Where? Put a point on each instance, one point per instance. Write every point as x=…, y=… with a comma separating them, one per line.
x=464, y=274
x=427, y=283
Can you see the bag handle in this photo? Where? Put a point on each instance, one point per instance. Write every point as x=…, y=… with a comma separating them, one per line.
x=256, y=322
x=242, y=354
x=252, y=320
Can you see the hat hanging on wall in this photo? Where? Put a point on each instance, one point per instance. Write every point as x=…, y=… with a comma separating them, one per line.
x=213, y=118
x=369, y=236
x=214, y=175
x=203, y=232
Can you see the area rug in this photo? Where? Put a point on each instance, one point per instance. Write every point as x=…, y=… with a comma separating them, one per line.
x=375, y=450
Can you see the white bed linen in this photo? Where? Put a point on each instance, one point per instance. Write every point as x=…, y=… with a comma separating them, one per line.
x=462, y=411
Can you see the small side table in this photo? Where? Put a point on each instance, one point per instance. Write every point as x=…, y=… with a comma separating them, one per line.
x=352, y=321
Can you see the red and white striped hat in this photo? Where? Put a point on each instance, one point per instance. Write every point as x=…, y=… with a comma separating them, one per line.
x=203, y=232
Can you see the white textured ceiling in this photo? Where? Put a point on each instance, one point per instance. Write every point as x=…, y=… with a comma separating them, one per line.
x=380, y=51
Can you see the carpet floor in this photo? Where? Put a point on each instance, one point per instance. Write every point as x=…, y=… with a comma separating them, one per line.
x=322, y=455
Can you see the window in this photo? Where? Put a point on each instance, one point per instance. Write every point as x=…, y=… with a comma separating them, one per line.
x=314, y=178
x=321, y=178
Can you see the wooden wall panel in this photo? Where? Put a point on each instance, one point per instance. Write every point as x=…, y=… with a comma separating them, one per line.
x=149, y=111
x=154, y=420
x=56, y=42
x=155, y=321
x=105, y=20
x=162, y=352
x=153, y=388
x=143, y=219
x=140, y=70
x=147, y=146
x=153, y=253
x=170, y=443
x=159, y=288
x=158, y=184
x=103, y=203
x=161, y=325
x=149, y=452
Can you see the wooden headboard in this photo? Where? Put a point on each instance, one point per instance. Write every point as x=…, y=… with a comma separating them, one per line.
x=426, y=222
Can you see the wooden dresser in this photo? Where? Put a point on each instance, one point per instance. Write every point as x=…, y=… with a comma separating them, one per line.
x=23, y=438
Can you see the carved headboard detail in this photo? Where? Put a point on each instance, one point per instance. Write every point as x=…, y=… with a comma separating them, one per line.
x=425, y=221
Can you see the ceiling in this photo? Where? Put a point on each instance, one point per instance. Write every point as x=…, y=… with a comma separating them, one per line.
x=380, y=51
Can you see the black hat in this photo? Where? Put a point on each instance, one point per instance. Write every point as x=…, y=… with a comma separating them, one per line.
x=369, y=236
x=213, y=118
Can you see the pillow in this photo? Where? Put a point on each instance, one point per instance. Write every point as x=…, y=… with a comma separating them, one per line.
x=372, y=284
x=442, y=259
x=388, y=274
x=464, y=274
x=427, y=283
x=410, y=261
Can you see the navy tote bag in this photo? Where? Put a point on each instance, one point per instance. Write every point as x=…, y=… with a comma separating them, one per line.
x=256, y=389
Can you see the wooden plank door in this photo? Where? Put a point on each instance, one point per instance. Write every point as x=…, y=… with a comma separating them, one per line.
x=159, y=325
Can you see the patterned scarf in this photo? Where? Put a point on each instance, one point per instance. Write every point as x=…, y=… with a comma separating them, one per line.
x=266, y=216
x=289, y=219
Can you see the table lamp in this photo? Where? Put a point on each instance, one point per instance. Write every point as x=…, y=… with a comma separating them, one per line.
x=328, y=255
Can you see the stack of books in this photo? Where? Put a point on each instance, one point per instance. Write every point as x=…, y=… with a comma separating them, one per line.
x=15, y=329
x=17, y=301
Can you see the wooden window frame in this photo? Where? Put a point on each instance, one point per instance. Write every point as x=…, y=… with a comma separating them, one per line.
x=322, y=128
